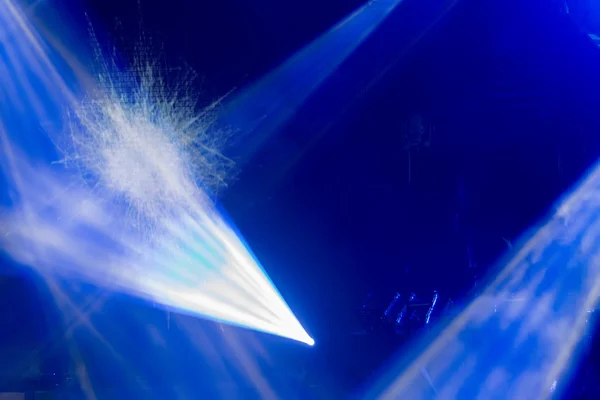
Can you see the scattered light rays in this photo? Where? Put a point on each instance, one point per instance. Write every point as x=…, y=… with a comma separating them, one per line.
x=123, y=208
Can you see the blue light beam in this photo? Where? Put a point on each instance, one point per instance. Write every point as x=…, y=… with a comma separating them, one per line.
x=261, y=109
x=122, y=207
x=518, y=338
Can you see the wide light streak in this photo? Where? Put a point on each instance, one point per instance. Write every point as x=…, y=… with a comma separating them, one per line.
x=145, y=227
x=517, y=339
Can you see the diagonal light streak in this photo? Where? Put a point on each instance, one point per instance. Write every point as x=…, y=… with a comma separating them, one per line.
x=261, y=109
x=520, y=336
x=126, y=208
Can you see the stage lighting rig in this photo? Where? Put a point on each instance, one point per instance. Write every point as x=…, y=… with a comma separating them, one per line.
x=404, y=315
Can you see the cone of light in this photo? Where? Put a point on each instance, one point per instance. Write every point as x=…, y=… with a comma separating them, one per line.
x=125, y=206
x=517, y=339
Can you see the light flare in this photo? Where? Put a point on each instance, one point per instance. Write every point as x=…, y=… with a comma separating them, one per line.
x=124, y=200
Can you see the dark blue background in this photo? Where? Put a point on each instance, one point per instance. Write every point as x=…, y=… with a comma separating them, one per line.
x=511, y=86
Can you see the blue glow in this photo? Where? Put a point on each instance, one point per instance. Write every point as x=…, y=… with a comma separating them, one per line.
x=265, y=106
x=519, y=337
x=433, y=303
x=102, y=187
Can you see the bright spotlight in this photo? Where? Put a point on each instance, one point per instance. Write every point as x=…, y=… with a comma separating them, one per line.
x=117, y=197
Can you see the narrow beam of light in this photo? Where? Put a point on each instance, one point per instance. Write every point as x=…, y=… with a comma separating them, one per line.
x=517, y=339
x=124, y=207
x=261, y=109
